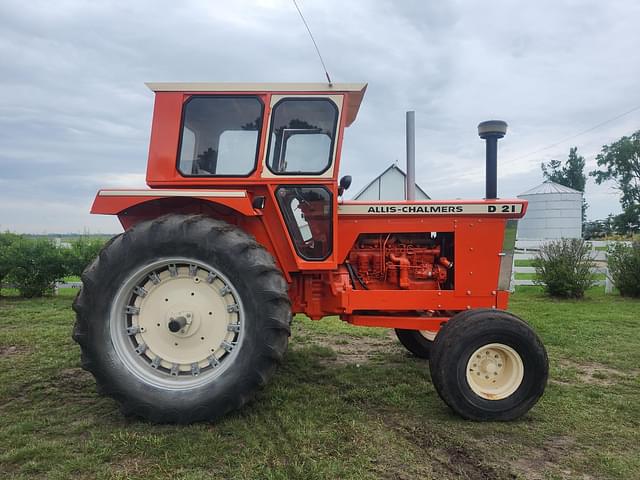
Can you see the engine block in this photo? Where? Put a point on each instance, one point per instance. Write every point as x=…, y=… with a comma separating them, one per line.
x=401, y=261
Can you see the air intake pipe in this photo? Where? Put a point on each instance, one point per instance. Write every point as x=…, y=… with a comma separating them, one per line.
x=491, y=131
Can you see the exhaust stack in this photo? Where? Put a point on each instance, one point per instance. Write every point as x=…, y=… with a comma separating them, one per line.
x=491, y=131
x=410, y=188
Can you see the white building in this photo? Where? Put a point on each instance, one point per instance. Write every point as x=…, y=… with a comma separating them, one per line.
x=389, y=185
x=554, y=211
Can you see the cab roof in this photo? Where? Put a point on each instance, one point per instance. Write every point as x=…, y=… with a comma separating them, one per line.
x=353, y=91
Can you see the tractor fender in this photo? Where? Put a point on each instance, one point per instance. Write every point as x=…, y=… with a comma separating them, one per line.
x=232, y=206
x=117, y=202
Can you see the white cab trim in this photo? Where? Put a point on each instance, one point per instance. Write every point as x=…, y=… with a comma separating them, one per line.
x=254, y=87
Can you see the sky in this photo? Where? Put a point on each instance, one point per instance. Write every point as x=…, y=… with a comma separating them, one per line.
x=75, y=115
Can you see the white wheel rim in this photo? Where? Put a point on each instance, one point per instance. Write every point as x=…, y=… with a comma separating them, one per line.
x=183, y=293
x=428, y=334
x=495, y=371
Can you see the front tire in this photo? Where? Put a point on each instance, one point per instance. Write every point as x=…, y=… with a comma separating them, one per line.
x=488, y=365
x=418, y=342
x=182, y=318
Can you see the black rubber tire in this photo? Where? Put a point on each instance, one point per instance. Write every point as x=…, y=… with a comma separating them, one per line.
x=464, y=334
x=253, y=273
x=415, y=342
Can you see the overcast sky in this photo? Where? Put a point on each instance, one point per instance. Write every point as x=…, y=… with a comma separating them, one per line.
x=75, y=115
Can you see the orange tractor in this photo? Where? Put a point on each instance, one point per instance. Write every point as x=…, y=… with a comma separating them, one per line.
x=187, y=313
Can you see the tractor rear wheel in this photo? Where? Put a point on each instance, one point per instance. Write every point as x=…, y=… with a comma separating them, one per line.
x=488, y=365
x=182, y=318
x=418, y=342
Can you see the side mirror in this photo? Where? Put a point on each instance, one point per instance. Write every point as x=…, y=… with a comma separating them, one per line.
x=345, y=183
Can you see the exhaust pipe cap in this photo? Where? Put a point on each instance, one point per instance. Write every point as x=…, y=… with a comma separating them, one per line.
x=492, y=128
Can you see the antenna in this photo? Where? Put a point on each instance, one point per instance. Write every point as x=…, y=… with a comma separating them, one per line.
x=324, y=67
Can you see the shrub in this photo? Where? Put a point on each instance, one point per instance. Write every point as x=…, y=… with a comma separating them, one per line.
x=82, y=253
x=564, y=268
x=37, y=265
x=6, y=263
x=624, y=268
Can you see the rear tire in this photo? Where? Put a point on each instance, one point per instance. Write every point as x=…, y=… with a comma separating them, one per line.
x=418, y=342
x=488, y=365
x=182, y=318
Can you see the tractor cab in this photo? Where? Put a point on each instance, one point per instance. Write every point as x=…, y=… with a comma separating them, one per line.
x=220, y=134
x=271, y=144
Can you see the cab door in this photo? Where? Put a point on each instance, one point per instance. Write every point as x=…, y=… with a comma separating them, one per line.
x=300, y=160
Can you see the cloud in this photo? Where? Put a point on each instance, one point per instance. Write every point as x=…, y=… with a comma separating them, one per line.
x=75, y=115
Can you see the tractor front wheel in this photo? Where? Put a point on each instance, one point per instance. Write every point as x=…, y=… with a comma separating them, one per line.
x=418, y=342
x=182, y=318
x=488, y=365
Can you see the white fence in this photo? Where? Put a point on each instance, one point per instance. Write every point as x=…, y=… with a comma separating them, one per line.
x=528, y=250
x=60, y=285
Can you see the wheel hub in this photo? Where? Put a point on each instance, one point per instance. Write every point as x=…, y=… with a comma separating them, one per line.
x=428, y=334
x=495, y=371
x=182, y=320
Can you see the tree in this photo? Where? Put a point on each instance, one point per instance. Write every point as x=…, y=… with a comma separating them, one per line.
x=620, y=162
x=571, y=174
x=628, y=222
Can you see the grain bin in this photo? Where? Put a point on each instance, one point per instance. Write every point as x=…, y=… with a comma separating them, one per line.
x=555, y=211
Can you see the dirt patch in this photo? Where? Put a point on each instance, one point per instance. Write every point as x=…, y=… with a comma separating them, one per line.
x=594, y=373
x=446, y=460
x=539, y=461
x=357, y=350
x=11, y=350
x=73, y=379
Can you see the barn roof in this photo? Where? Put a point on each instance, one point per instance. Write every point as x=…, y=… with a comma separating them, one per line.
x=391, y=167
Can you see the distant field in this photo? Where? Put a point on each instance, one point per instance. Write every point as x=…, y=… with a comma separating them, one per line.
x=70, y=237
x=348, y=403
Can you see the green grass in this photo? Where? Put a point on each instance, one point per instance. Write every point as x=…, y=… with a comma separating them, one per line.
x=523, y=263
x=347, y=403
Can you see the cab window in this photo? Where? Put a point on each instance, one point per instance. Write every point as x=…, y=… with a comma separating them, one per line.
x=302, y=136
x=307, y=213
x=220, y=136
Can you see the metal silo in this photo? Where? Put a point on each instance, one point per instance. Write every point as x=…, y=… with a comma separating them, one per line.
x=555, y=211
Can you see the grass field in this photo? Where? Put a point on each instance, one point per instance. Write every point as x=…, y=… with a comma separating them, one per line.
x=347, y=403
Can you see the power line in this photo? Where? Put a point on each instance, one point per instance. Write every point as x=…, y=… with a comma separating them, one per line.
x=560, y=142
x=314, y=43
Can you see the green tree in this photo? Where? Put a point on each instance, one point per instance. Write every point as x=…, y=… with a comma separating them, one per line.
x=620, y=163
x=570, y=174
x=628, y=222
